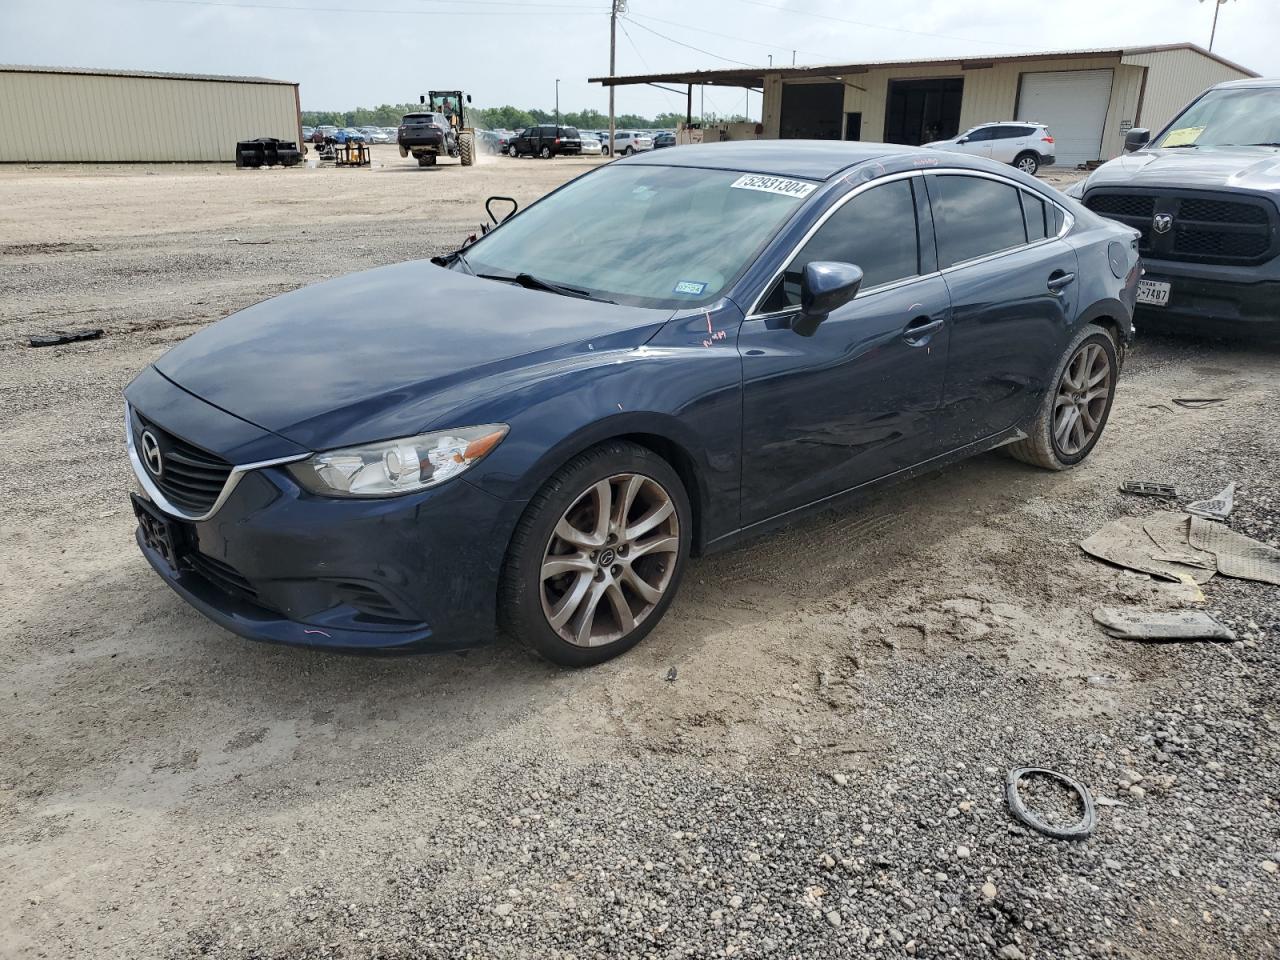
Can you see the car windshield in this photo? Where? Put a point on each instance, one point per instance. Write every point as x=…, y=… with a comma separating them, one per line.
x=649, y=236
x=1228, y=117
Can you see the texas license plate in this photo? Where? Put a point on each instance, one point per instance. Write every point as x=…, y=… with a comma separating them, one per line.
x=1154, y=293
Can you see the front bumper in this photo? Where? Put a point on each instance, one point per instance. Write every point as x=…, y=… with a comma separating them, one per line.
x=1211, y=299
x=278, y=564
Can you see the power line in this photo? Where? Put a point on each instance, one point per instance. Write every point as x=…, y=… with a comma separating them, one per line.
x=871, y=26
x=688, y=46
x=725, y=36
x=645, y=62
x=529, y=10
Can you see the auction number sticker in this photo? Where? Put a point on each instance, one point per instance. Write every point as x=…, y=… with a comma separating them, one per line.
x=781, y=185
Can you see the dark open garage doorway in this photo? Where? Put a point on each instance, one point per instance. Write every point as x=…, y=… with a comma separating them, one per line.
x=812, y=111
x=923, y=110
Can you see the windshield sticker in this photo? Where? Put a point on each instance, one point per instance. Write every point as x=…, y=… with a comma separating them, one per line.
x=1184, y=137
x=781, y=185
x=693, y=287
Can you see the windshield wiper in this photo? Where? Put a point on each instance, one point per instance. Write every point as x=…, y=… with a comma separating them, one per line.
x=529, y=281
x=1182, y=146
x=1251, y=144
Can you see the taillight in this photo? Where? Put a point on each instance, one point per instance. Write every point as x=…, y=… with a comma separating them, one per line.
x=1046, y=139
x=557, y=139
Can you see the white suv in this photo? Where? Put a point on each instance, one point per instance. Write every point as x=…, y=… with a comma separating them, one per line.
x=1021, y=143
x=627, y=142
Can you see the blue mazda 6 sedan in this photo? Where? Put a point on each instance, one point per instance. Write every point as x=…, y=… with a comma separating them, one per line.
x=658, y=359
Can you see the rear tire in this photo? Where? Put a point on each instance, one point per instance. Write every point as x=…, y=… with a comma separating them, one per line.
x=545, y=152
x=586, y=578
x=1027, y=162
x=467, y=150
x=1075, y=409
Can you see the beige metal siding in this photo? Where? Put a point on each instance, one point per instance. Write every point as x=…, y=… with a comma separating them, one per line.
x=64, y=117
x=1174, y=79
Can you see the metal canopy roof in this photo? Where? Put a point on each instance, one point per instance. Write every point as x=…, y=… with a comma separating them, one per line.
x=146, y=74
x=754, y=76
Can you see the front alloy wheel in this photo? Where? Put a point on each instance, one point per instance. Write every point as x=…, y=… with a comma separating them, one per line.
x=597, y=557
x=609, y=560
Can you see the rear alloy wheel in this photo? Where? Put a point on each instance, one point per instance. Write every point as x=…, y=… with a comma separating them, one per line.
x=597, y=558
x=545, y=152
x=1028, y=163
x=1072, y=416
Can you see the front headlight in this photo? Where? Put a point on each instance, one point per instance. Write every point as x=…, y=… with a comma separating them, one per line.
x=393, y=467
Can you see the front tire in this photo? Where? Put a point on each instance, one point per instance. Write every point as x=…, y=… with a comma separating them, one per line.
x=1074, y=412
x=1027, y=162
x=597, y=558
x=467, y=150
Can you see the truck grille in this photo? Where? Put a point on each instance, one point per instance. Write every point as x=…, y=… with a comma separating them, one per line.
x=191, y=478
x=1204, y=229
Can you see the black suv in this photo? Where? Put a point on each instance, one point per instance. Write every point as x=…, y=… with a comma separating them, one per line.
x=547, y=140
x=1205, y=193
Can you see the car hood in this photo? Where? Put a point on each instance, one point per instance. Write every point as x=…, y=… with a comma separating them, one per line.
x=359, y=358
x=1238, y=168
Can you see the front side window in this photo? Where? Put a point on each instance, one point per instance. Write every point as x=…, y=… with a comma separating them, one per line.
x=981, y=134
x=650, y=236
x=876, y=230
x=974, y=217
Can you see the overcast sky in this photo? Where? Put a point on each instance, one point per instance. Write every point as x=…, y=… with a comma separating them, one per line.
x=348, y=53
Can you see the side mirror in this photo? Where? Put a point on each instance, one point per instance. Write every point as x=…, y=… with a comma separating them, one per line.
x=1136, y=139
x=962, y=140
x=468, y=98
x=825, y=286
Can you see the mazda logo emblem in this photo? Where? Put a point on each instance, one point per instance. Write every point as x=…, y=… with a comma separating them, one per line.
x=151, y=453
x=1162, y=222
x=607, y=558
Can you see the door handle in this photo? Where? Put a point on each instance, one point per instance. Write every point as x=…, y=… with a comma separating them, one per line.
x=920, y=329
x=1059, y=281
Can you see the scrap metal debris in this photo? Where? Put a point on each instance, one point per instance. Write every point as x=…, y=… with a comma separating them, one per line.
x=1076, y=831
x=1138, y=623
x=1217, y=507
x=1238, y=556
x=1145, y=489
x=59, y=337
x=1198, y=403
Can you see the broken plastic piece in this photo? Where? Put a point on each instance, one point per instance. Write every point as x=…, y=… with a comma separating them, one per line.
x=1126, y=543
x=1138, y=623
x=1237, y=555
x=1196, y=403
x=1144, y=489
x=59, y=337
x=1077, y=831
x=1217, y=507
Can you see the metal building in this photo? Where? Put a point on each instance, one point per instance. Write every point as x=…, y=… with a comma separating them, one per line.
x=55, y=114
x=1088, y=98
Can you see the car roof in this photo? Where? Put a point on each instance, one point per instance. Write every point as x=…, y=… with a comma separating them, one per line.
x=810, y=159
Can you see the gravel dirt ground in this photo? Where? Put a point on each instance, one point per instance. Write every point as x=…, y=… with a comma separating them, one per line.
x=824, y=776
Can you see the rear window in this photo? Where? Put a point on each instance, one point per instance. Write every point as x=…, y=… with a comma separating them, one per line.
x=571, y=133
x=418, y=118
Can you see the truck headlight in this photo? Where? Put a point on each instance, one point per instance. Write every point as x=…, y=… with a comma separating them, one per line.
x=393, y=467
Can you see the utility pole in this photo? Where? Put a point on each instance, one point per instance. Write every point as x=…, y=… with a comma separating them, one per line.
x=617, y=7
x=793, y=58
x=557, y=101
x=1214, y=30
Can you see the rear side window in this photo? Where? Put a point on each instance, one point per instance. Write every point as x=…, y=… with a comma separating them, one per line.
x=974, y=217
x=571, y=133
x=1033, y=211
x=876, y=230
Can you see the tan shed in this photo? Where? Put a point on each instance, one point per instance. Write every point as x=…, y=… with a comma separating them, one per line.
x=63, y=115
x=1087, y=98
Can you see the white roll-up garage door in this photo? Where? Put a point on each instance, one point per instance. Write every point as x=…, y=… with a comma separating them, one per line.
x=1073, y=104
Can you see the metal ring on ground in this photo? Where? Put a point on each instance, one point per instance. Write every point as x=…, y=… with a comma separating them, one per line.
x=1077, y=831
